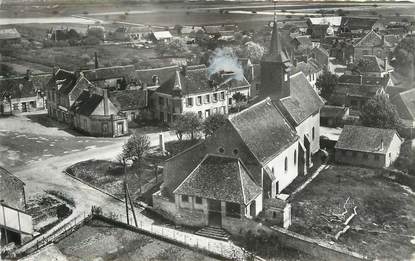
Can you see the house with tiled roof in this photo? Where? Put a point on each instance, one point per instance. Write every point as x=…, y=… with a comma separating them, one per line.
x=9, y=36
x=94, y=114
x=357, y=24
x=23, y=94
x=192, y=89
x=370, y=147
x=256, y=151
x=355, y=90
x=405, y=106
x=372, y=43
x=370, y=66
x=309, y=67
x=132, y=103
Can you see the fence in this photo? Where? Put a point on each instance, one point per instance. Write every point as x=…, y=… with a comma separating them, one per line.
x=53, y=235
x=224, y=249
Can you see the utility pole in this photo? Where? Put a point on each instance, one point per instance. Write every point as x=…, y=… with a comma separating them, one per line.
x=125, y=191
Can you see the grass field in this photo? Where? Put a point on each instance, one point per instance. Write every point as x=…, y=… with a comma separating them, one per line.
x=384, y=227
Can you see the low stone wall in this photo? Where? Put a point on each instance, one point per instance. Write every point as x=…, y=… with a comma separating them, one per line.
x=316, y=248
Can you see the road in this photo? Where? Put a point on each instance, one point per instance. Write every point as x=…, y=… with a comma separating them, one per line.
x=48, y=175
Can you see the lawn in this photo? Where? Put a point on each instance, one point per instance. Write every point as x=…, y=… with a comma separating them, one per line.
x=384, y=227
x=98, y=240
x=108, y=175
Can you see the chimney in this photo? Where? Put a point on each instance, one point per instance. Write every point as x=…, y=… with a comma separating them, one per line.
x=96, y=60
x=106, y=103
x=28, y=75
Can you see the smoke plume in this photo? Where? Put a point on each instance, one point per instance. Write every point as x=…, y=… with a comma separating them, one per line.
x=224, y=59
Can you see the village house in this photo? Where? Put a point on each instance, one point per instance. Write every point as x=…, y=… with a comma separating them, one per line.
x=319, y=27
x=23, y=94
x=9, y=36
x=309, y=67
x=94, y=114
x=370, y=66
x=161, y=36
x=191, y=90
x=357, y=25
x=15, y=225
x=246, y=148
x=333, y=116
x=152, y=78
x=355, y=90
x=405, y=106
x=131, y=103
x=370, y=147
x=372, y=43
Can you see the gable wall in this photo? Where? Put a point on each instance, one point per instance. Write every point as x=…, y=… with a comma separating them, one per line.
x=305, y=128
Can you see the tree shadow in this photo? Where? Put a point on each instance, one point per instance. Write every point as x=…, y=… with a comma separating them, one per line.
x=48, y=122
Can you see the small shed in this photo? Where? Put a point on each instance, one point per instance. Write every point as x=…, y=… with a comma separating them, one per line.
x=161, y=36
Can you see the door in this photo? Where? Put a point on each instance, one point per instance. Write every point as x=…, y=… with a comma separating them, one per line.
x=214, y=213
x=24, y=107
x=277, y=188
x=120, y=128
x=307, y=152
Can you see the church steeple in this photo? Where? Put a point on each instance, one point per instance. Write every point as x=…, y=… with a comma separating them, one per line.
x=275, y=48
x=275, y=68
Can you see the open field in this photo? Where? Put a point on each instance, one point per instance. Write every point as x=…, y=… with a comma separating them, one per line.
x=99, y=239
x=384, y=227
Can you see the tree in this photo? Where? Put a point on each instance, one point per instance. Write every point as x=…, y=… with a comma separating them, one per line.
x=135, y=149
x=325, y=84
x=187, y=123
x=379, y=112
x=404, y=55
x=212, y=123
x=239, y=99
x=176, y=47
x=253, y=51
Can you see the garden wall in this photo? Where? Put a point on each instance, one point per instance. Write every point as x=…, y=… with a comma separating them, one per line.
x=314, y=247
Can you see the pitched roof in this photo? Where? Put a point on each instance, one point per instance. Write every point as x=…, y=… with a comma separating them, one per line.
x=8, y=183
x=113, y=72
x=372, y=39
x=9, y=33
x=163, y=74
x=332, y=20
x=363, y=80
x=311, y=66
x=355, y=23
x=405, y=104
x=303, y=100
x=304, y=40
x=22, y=87
x=128, y=99
x=195, y=79
x=365, y=139
x=333, y=111
x=86, y=103
x=263, y=129
x=162, y=35
x=220, y=178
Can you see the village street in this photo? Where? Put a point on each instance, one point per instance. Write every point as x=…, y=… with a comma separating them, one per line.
x=47, y=173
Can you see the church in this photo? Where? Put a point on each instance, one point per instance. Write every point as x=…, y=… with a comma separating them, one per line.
x=231, y=177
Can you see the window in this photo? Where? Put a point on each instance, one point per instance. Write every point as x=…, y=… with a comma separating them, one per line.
x=312, y=133
x=233, y=210
x=199, y=200
x=15, y=106
x=221, y=150
x=230, y=101
x=235, y=152
x=207, y=113
x=207, y=98
x=199, y=100
x=272, y=170
x=295, y=157
x=185, y=198
x=222, y=96
x=161, y=101
x=168, y=117
x=286, y=164
x=104, y=127
x=376, y=157
x=189, y=102
x=215, y=110
x=132, y=115
x=222, y=110
x=215, y=97
x=274, y=214
x=199, y=113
